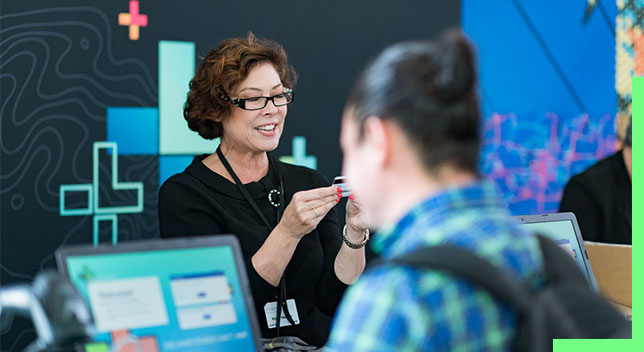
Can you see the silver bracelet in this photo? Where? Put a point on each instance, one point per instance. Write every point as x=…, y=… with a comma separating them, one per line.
x=354, y=245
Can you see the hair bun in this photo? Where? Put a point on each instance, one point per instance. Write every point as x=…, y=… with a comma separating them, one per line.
x=207, y=128
x=455, y=74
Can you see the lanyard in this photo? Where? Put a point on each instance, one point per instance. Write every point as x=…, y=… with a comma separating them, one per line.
x=280, y=210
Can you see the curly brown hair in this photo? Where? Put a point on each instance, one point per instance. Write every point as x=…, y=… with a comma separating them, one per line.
x=221, y=71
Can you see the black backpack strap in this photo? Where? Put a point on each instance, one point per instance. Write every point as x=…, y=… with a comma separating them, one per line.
x=469, y=266
x=559, y=265
x=502, y=285
x=581, y=313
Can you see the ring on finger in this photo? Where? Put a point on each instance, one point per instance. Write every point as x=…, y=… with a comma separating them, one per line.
x=315, y=210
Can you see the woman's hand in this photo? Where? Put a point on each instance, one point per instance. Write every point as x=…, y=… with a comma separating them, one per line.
x=356, y=226
x=306, y=210
x=349, y=263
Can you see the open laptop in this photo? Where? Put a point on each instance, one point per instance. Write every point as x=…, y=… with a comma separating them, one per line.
x=564, y=230
x=188, y=294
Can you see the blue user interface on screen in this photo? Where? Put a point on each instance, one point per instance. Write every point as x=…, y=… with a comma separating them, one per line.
x=164, y=300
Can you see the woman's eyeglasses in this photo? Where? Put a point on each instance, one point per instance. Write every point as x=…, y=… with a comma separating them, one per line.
x=258, y=103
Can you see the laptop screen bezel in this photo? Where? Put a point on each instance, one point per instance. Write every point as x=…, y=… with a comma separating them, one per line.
x=171, y=244
x=539, y=218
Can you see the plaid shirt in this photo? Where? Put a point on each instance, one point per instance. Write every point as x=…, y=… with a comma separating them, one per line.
x=405, y=309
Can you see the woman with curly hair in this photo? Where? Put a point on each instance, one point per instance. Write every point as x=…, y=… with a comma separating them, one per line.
x=298, y=260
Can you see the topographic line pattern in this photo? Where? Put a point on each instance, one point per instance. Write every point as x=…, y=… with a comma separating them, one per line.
x=58, y=74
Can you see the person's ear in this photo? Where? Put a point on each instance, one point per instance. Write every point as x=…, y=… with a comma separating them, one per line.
x=377, y=137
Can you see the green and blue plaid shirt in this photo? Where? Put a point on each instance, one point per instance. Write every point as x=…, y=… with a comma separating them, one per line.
x=405, y=309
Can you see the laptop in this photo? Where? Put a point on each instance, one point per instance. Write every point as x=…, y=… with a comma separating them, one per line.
x=564, y=230
x=189, y=294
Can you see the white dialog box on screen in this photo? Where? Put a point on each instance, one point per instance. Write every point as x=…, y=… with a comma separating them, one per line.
x=127, y=303
x=203, y=300
x=203, y=316
x=200, y=289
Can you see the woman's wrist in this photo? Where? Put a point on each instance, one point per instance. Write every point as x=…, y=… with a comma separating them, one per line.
x=353, y=243
x=355, y=234
x=285, y=234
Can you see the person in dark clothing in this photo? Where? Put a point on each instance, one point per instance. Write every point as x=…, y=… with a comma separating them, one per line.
x=411, y=130
x=601, y=197
x=283, y=215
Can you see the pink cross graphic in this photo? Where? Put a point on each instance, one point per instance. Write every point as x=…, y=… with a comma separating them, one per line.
x=133, y=19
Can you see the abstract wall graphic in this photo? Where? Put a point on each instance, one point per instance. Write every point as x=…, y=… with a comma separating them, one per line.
x=61, y=68
x=557, y=115
x=134, y=129
x=176, y=69
x=299, y=156
x=629, y=55
x=133, y=19
x=94, y=205
x=530, y=158
x=162, y=131
x=177, y=143
x=172, y=164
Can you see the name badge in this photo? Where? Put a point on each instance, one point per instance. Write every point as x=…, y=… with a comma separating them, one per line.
x=270, y=309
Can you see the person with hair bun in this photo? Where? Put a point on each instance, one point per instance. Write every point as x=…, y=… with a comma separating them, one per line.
x=411, y=130
x=298, y=260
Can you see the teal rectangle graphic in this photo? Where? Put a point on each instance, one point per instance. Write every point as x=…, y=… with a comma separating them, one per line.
x=134, y=129
x=176, y=69
x=172, y=164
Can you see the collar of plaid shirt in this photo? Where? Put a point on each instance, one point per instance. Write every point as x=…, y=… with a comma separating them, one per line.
x=433, y=215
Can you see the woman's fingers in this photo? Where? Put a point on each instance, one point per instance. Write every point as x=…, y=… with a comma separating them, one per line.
x=316, y=194
x=326, y=207
x=307, y=208
x=321, y=209
x=354, y=215
x=353, y=207
x=314, y=198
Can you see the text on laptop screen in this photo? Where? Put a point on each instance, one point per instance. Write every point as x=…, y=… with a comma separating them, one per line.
x=187, y=299
x=563, y=233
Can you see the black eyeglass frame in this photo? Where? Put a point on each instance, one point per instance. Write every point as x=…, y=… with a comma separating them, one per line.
x=241, y=102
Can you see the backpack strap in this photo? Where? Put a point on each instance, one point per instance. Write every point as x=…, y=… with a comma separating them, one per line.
x=559, y=265
x=471, y=267
x=501, y=284
x=581, y=312
x=560, y=309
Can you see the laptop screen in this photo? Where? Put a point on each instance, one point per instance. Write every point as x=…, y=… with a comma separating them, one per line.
x=172, y=299
x=563, y=230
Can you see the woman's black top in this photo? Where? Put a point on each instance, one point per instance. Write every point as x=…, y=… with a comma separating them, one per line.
x=199, y=201
x=601, y=198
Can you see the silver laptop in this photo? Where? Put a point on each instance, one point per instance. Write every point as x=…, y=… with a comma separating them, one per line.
x=177, y=295
x=564, y=230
